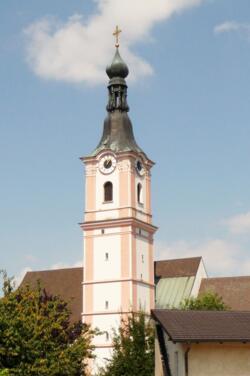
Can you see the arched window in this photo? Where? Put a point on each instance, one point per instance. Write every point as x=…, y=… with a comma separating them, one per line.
x=108, y=191
x=139, y=194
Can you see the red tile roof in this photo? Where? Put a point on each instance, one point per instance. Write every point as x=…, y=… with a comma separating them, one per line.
x=235, y=291
x=185, y=267
x=66, y=283
x=204, y=326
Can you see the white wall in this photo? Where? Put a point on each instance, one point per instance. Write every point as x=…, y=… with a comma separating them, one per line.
x=176, y=352
x=105, y=323
x=142, y=266
x=226, y=359
x=111, y=268
x=101, y=354
x=143, y=297
x=201, y=273
x=110, y=292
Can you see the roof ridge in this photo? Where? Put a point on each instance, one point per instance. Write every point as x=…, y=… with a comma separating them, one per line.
x=54, y=270
x=227, y=277
x=182, y=258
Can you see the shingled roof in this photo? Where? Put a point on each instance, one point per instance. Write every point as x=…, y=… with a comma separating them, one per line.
x=66, y=283
x=235, y=291
x=204, y=326
x=184, y=267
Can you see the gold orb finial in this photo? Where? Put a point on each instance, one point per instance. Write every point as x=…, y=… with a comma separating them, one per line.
x=116, y=35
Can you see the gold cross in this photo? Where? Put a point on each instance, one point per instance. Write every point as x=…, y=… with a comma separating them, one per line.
x=116, y=34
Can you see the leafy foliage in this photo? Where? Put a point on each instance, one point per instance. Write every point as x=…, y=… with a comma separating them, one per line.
x=208, y=301
x=133, y=352
x=36, y=336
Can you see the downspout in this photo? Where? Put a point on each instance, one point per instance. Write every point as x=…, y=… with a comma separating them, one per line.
x=186, y=360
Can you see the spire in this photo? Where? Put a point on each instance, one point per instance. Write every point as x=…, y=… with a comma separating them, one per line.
x=118, y=133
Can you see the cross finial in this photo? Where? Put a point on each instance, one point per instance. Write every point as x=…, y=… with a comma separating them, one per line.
x=116, y=35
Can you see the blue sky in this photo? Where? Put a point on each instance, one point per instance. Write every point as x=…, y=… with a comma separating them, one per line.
x=189, y=98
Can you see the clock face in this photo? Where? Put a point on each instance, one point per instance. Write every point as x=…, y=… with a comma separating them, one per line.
x=139, y=167
x=107, y=164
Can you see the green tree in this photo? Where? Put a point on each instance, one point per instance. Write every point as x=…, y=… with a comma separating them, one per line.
x=133, y=352
x=36, y=336
x=208, y=301
x=4, y=372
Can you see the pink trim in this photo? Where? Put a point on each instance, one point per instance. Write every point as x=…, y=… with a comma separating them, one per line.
x=105, y=313
x=89, y=259
x=90, y=216
x=118, y=232
x=126, y=211
x=134, y=258
x=90, y=193
x=118, y=223
x=90, y=364
x=134, y=289
x=88, y=275
x=88, y=319
x=152, y=298
x=125, y=256
x=103, y=346
x=151, y=275
x=134, y=280
x=122, y=155
x=134, y=270
x=88, y=292
x=148, y=195
x=125, y=287
x=125, y=271
x=150, y=263
x=119, y=208
x=133, y=190
x=123, y=184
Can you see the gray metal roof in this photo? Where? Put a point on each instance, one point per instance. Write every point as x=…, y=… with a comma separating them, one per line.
x=117, y=134
x=170, y=292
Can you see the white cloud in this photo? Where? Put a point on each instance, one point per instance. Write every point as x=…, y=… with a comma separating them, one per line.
x=19, y=277
x=221, y=257
x=239, y=224
x=233, y=26
x=79, y=49
x=63, y=265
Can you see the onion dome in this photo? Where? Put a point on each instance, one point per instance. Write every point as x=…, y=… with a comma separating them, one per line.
x=118, y=68
x=117, y=87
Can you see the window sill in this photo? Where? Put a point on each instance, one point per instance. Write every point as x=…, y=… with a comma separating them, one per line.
x=108, y=202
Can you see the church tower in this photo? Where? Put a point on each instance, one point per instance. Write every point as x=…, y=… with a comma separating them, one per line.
x=117, y=227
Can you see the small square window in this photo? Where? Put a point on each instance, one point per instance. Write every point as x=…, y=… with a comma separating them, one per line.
x=106, y=256
x=106, y=304
x=103, y=231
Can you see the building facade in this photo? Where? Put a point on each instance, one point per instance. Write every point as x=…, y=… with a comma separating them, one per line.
x=117, y=227
x=207, y=343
